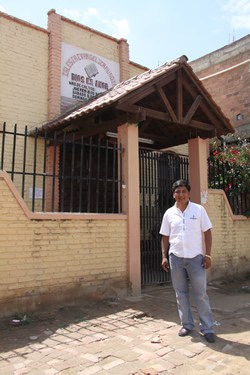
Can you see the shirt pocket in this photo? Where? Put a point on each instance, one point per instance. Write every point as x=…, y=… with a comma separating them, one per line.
x=192, y=225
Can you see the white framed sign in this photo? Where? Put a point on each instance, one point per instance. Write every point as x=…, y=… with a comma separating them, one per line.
x=84, y=74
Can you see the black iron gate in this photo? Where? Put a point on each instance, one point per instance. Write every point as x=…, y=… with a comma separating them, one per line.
x=158, y=171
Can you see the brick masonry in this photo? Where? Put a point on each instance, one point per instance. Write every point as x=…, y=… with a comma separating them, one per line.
x=225, y=73
x=44, y=261
x=23, y=73
x=231, y=236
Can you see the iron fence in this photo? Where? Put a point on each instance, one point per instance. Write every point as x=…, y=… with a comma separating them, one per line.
x=63, y=175
x=219, y=178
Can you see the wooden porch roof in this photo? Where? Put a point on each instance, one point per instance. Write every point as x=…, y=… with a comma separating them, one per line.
x=169, y=105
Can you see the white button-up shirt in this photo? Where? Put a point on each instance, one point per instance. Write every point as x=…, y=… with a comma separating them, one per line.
x=185, y=229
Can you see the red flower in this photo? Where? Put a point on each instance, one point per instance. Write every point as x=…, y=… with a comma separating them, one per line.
x=216, y=153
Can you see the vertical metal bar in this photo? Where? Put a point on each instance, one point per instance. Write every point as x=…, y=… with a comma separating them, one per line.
x=223, y=176
x=72, y=175
x=211, y=171
x=140, y=192
x=150, y=212
x=106, y=177
x=44, y=168
x=144, y=240
x=120, y=153
x=215, y=171
x=54, y=173
x=24, y=160
x=62, y=170
x=153, y=226
x=34, y=172
x=114, y=178
x=3, y=145
x=89, y=175
x=143, y=235
x=98, y=175
x=156, y=216
x=13, y=153
x=81, y=174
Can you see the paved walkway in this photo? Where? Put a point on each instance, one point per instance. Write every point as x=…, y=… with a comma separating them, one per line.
x=130, y=336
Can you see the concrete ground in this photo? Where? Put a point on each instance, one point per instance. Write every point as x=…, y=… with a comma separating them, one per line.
x=135, y=335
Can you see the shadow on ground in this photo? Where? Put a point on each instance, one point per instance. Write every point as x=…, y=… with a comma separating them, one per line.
x=230, y=304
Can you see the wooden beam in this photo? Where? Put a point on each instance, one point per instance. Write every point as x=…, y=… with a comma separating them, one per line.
x=193, y=92
x=202, y=126
x=146, y=112
x=167, y=104
x=179, y=96
x=167, y=141
x=91, y=129
x=144, y=125
x=192, y=109
x=133, y=109
x=146, y=89
x=157, y=114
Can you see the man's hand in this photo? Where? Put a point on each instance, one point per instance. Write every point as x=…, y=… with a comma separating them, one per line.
x=165, y=264
x=206, y=263
x=164, y=252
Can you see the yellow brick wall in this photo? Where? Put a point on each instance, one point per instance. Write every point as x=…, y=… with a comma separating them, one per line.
x=231, y=239
x=59, y=259
x=135, y=69
x=23, y=73
x=90, y=40
x=48, y=261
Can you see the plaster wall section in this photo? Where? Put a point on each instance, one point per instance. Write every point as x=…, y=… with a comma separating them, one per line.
x=23, y=72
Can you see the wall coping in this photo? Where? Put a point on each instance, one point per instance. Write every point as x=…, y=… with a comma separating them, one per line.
x=54, y=215
x=77, y=24
x=22, y=22
x=89, y=216
x=233, y=217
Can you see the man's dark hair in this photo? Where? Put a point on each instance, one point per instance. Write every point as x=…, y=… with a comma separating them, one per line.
x=178, y=183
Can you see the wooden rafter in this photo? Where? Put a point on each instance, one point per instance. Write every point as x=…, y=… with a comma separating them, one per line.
x=167, y=104
x=192, y=110
x=179, y=96
x=214, y=120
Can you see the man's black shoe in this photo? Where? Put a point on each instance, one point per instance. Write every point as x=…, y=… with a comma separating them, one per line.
x=209, y=337
x=184, y=332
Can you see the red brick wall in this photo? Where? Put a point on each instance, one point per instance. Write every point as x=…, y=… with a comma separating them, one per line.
x=226, y=75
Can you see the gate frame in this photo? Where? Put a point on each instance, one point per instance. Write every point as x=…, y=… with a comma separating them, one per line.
x=128, y=135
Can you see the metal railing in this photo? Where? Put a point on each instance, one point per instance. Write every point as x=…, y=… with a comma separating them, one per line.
x=158, y=172
x=63, y=175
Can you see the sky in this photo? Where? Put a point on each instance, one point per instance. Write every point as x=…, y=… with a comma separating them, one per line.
x=157, y=31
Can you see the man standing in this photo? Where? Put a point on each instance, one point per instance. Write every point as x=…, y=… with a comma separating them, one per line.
x=182, y=229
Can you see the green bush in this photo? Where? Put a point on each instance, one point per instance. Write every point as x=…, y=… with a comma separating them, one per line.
x=234, y=161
